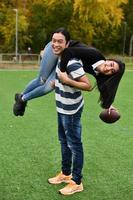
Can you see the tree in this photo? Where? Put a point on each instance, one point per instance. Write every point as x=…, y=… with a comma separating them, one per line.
x=129, y=24
x=96, y=16
x=95, y=22
x=7, y=27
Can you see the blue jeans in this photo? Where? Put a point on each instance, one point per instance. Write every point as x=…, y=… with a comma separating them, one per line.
x=69, y=133
x=41, y=85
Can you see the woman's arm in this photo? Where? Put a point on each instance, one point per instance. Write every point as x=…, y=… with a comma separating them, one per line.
x=88, y=55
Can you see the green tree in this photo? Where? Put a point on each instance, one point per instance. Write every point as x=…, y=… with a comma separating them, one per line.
x=129, y=24
x=7, y=27
x=97, y=22
x=97, y=16
x=45, y=17
x=37, y=28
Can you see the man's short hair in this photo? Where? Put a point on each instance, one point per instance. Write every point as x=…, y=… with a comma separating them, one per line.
x=64, y=32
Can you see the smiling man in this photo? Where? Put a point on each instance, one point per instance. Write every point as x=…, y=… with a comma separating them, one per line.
x=69, y=104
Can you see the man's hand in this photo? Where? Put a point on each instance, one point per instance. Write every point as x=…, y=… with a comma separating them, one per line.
x=52, y=83
x=64, y=77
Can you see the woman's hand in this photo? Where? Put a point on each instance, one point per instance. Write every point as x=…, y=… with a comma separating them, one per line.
x=111, y=108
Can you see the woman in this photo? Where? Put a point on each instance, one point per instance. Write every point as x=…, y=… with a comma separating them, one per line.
x=93, y=61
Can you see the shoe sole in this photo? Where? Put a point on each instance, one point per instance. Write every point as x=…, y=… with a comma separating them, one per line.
x=70, y=192
x=59, y=182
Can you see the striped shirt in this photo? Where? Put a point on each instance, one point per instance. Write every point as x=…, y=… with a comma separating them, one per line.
x=69, y=99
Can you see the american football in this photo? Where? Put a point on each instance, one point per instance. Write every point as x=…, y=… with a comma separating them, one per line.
x=111, y=117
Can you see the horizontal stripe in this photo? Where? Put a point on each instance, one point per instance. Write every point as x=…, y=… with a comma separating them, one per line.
x=67, y=94
x=74, y=61
x=77, y=73
x=69, y=112
x=65, y=88
x=74, y=67
x=68, y=107
x=68, y=101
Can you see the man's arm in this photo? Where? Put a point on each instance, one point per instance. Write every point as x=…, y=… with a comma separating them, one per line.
x=83, y=83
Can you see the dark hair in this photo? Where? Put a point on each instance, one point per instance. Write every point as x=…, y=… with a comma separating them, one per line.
x=108, y=85
x=64, y=32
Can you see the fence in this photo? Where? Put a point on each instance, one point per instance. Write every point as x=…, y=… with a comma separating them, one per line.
x=33, y=61
x=20, y=59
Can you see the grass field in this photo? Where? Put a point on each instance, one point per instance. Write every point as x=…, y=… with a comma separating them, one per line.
x=30, y=152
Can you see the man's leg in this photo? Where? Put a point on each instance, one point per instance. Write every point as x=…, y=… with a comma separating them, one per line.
x=73, y=134
x=65, y=175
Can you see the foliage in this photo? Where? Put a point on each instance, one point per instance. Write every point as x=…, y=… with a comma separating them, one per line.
x=90, y=21
x=128, y=10
x=7, y=29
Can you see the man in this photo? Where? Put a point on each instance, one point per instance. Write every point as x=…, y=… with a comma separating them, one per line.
x=69, y=103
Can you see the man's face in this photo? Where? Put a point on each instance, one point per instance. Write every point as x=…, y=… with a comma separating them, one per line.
x=109, y=67
x=58, y=43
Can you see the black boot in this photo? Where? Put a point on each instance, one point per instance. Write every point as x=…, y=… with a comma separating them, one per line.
x=19, y=106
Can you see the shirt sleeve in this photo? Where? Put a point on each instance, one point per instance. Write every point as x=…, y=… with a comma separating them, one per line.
x=75, y=68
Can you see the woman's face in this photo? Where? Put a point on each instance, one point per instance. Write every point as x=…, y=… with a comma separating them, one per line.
x=109, y=67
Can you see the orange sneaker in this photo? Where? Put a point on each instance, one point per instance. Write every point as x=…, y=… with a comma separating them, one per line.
x=60, y=178
x=71, y=188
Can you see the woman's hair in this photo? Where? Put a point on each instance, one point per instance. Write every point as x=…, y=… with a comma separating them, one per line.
x=64, y=32
x=108, y=85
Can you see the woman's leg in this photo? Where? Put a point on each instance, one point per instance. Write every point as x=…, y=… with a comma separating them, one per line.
x=48, y=62
x=39, y=86
x=41, y=89
x=32, y=85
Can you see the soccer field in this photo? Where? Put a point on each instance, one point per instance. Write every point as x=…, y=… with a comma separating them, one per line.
x=30, y=151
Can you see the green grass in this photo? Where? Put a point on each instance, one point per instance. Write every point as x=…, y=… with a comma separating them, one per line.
x=30, y=151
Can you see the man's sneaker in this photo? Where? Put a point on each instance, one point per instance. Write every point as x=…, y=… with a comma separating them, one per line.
x=71, y=188
x=19, y=106
x=60, y=178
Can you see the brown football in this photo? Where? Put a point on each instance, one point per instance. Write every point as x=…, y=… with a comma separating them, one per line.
x=111, y=117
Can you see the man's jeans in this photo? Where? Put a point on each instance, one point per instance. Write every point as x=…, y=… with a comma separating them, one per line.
x=41, y=85
x=69, y=130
